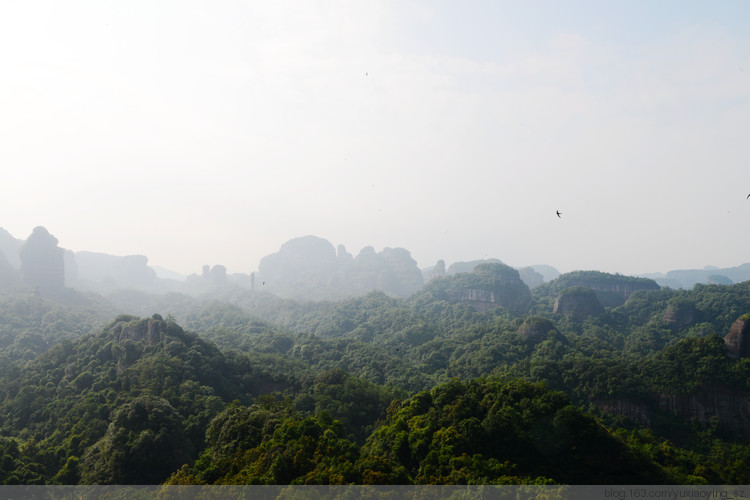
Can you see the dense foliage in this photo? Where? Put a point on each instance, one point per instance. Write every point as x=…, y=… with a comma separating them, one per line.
x=243, y=387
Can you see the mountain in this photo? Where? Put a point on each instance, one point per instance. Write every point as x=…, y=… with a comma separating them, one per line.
x=10, y=246
x=688, y=278
x=310, y=268
x=488, y=286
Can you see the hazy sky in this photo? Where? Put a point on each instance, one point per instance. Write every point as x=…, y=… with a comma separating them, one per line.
x=211, y=132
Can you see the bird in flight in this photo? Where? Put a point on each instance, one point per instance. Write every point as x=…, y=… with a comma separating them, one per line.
x=558, y=213
x=748, y=196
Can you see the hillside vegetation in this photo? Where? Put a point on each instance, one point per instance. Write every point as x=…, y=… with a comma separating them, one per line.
x=472, y=380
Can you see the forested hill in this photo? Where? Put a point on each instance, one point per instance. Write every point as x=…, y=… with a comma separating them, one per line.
x=475, y=378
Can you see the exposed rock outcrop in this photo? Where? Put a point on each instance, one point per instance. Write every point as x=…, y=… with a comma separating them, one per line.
x=636, y=411
x=8, y=275
x=147, y=330
x=612, y=290
x=680, y=314
x=301, y=263
x=489, y=286
x=737, y=341
x=578, y=302
x=730, y=406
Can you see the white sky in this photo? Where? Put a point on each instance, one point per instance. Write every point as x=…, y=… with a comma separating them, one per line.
x=211, y=132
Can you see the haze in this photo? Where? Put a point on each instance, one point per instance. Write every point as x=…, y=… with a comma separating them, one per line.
x=212, y=132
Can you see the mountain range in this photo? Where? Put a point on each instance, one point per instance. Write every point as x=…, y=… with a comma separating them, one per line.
x=307, y=268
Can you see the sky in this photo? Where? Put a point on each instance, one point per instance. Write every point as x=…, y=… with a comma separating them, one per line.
x=212, y=132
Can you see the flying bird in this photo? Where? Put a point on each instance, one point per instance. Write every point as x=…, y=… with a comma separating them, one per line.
x=558, y=213
x=748, y=196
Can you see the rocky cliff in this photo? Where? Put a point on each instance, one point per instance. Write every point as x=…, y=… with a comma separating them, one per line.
x=730, y=406
x=612, y=290
x=737, y=341
x=490, y=285
x=680, y=314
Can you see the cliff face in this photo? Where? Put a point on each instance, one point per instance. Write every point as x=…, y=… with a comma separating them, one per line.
x=612, y=290
x=737, y=341
x=148, y=331
x=637, y=412
x=680, y=315
x=730, y=406
x=480, y=299
x=490, y=285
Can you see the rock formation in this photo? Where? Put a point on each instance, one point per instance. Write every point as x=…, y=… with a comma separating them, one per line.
x=680, y=315
x=612, y=290
x=301, y=263
x=310, y=268
x=737, y=341
x=730, y=406
x=490, y=285
x=42, y=263
x=579, y=302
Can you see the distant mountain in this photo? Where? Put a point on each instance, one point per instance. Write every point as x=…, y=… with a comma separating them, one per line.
x=10, y=246
x=101, y=272
x=168, y=274
x=688, y=278
x=549, y=272
x=310, y=268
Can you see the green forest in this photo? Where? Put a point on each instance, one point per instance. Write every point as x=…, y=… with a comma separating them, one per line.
x=590, y=378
